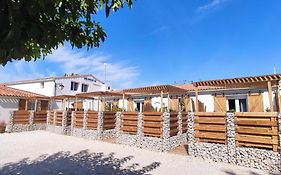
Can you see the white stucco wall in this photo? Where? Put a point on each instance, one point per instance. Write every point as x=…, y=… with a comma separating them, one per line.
x=47, y=90
x=208, y=101
x=7, y=105
x=92, y=86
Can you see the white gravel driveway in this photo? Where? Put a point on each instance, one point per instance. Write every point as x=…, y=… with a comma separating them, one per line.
x=42, y=152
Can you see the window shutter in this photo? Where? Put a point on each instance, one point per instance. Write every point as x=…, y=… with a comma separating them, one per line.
x=220, y=103
x=173, y=103
x=255, y=103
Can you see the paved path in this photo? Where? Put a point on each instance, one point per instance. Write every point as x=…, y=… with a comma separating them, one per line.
x=42, y=152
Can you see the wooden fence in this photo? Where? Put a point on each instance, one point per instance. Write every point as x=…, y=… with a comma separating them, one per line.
x=59, y=117
x=109, y=120
x=174, y=124
x=257, y=130
x=210, y=127
x=21, y=117
x=92, y=120
x=129, y=122
x=51, y=118
x=184, y=122
x=78, y=119
x=40, y=117
x=152, y=124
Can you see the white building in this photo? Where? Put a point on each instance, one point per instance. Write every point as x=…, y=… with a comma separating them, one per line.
x=13, y=99
x=69, y=84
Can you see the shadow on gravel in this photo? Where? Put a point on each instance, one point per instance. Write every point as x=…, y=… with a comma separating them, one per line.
x=80, y=163
x=250, y=173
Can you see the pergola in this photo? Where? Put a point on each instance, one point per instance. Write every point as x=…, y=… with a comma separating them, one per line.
x=154, y=90
x=244, y=82
x=62, y=98
x=101, y=94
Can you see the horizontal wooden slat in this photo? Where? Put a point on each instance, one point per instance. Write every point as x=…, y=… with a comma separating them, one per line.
x=263, y=140
x=256, y=131
x=255, y=123
x=210, y=120
x=255, y=114
x=211, y=135
x=219, y=128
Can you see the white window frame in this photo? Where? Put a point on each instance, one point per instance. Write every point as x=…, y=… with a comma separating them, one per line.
x=82, y=87
x=74, y=86
x=236, y=98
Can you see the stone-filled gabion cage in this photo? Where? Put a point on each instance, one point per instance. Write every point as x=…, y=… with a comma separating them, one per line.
x=59, y=122
x=93, y=125
x=27, y=121
x=152, y=130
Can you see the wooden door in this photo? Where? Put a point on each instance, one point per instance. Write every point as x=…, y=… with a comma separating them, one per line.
x=219, y=103
x=255, y=103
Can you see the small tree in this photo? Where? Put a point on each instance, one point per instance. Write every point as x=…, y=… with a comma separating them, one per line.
x=31, y=29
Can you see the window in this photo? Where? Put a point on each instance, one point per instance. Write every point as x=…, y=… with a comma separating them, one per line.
x=84, y=88
x=243, y=105
x=238, y=104
x=231, y=104
x=74, y=86
x=42, y=85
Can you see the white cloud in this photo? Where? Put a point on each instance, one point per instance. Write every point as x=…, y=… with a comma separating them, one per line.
x=213, y=4
x=120, y=74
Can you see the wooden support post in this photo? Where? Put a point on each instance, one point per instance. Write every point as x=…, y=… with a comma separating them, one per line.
x=278, y=97
x=161, y=102
x=62, y=104
x=269, y=87
x=169, y=101
x=123, y=107
x=99, y=104
x=26, y=104
x=76, y=103
x=197, y=100
x=67, y=105
x=35, y=105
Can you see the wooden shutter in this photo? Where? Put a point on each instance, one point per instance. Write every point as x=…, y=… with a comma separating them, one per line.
x=255, y=103
x=147, y=105
x=22, y=104
x=187, y=104
x=130, y=104
x=173, y=103
x=220, y=103
x=201, y=106
x=44, y=105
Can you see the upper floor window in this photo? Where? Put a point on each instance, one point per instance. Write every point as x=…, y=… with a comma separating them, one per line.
x=42, y=84
x=84, y=88
x=74, y=86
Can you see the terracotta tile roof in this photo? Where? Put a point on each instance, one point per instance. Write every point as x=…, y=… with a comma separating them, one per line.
x=12, y=92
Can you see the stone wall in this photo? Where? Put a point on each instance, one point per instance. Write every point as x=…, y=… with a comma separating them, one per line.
x=229, y=152
x=164, y=143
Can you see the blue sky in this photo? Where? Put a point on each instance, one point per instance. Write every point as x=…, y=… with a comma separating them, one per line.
x=163, y=42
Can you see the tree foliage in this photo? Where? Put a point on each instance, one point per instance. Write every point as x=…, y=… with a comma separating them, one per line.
x=31, y=29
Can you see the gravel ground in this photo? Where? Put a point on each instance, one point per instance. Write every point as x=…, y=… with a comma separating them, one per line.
x=42, y=152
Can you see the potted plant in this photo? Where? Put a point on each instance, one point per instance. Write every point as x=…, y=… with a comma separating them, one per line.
x=2, y=126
